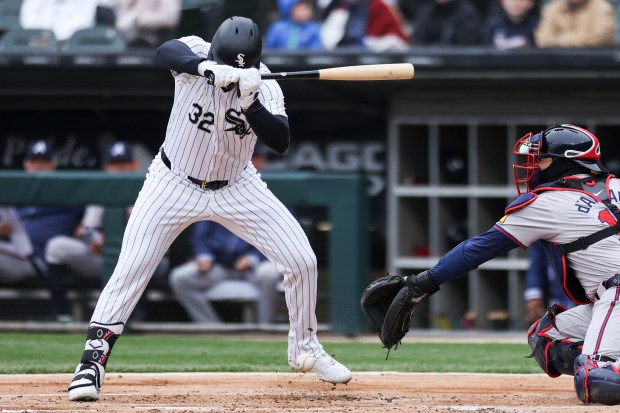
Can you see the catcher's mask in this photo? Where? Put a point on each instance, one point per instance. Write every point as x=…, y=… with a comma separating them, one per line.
x=561, y=141
x=237, y=43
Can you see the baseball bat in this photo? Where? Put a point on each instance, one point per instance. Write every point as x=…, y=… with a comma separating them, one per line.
x=392, y=71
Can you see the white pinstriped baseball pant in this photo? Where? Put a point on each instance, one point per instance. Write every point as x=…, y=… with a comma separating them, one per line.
x=168, y=203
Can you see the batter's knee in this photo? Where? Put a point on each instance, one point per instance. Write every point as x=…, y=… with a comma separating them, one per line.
x=555, y=356
x=597, y=382
x=308, y=262
x=298, y=265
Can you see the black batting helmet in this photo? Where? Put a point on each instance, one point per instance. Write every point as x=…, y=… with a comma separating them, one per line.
x=237, y=43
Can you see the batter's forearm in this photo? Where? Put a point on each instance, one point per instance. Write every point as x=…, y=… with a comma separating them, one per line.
x=272, y=129
x=177, y=56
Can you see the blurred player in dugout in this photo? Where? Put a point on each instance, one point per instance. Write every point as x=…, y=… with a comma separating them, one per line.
x=220, y=255
x=542, y=289
x=25, y=231
x=81, y=255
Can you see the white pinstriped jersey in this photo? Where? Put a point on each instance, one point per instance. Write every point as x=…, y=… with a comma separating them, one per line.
x=564, y=216
x=208, y=136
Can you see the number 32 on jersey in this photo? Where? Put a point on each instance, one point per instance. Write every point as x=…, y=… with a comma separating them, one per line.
x=203, y=120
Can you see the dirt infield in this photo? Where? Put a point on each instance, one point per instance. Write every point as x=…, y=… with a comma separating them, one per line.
x=294, y=392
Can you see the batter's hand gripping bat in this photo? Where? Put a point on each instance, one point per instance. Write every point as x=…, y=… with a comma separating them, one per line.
x=392, y=71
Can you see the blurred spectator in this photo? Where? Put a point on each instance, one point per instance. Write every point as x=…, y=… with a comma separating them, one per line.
x=577, y=23
x=17, y=262
x=147, y=23
x=513, y=26
x=447, y=23
x=30, y=228
x=411, y=8
x=372, y=24
x=296, y=29
x=64, y=17
x=82, y=254
x=221, y=255
x=542, y=288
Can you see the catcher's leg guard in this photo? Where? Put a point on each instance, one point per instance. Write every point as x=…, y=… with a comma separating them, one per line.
x=554, y=356
x=596, y=381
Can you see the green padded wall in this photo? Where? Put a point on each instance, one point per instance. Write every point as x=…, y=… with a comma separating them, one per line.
x=343, y=195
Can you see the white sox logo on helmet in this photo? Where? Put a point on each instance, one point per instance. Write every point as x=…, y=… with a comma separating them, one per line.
x=240, y=61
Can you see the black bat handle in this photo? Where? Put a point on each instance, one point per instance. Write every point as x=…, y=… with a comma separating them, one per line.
x=307, y=74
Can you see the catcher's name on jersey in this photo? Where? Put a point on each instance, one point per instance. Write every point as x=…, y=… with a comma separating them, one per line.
x=545, y=216
x=208, y=136
x=585, y=203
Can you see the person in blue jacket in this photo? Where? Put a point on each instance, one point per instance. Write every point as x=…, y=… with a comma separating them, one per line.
x=513, y=26
x=296, y=29
x=541, y=289
x=220, y=255
x=39, y=224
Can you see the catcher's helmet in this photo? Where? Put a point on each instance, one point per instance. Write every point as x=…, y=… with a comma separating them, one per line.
x=237, y=43
x=561, y=141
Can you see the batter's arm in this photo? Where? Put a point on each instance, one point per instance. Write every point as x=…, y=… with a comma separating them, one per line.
x=468, y=255
x=272, y=129
x=178, y=56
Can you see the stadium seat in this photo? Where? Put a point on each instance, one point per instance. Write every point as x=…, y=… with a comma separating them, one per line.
x=96, y=39
x=28, y=40
x=9, y=15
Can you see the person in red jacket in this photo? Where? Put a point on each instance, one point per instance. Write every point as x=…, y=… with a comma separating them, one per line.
x=371, y=24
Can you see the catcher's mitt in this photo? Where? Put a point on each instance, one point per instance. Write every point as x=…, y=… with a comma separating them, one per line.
x=397, y=319
x=389, y=303
x=376, y=301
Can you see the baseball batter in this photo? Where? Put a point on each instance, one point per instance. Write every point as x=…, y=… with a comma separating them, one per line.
x=570, y=202
x=203, y=172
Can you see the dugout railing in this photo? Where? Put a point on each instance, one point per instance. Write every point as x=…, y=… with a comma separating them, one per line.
x=343, y=195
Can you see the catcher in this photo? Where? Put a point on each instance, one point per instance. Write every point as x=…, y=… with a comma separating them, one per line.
x=569, y=201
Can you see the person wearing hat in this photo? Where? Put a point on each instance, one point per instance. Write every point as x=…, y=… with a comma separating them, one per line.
x=81, y=254
x=25, y=231
x=39, y=157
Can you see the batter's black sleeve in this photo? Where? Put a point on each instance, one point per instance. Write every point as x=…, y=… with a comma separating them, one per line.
x=272, y=129
x=177, y=56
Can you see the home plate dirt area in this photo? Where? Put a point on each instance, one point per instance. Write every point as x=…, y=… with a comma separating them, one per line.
x=298, y=392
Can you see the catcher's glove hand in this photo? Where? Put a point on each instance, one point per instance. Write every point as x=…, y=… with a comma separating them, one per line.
x=377, y=298
x=389, y=303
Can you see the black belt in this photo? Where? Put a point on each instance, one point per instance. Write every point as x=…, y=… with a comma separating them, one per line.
x=612, y=281
x=602, y=359
x=211, y=185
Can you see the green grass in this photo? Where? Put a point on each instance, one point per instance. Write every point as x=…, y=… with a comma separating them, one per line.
x=58, y=353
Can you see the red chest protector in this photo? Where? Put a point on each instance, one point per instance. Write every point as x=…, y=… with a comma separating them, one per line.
x=557, y=252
